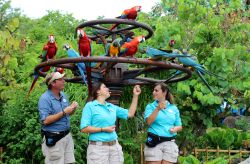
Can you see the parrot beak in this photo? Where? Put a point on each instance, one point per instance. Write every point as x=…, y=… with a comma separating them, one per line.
x=66, y=47
x=51, y=39
x=79, y=34
x=142, y=39
x=138, y=8
x=116, y=44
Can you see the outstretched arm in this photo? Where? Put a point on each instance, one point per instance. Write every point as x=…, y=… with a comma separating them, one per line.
x=133, y=106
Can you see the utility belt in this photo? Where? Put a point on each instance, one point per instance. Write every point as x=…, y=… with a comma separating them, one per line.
x=153, y=139
x=110, y=143
x=52, y=137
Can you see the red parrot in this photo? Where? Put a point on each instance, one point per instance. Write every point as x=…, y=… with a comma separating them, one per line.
x=130, y=48
x=131, y=13
x=49, y=49
x=59, y=69
x=128, y=14
x=49, y=52
x=84, y=48
x=127, y=49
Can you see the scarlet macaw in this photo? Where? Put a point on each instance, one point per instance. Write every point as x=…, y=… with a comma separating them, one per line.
x=84, y=45
x=128, y=14
x=49, y=52
x=49, y=49
x=84, y=48
x=127, y=49
x=130, y=48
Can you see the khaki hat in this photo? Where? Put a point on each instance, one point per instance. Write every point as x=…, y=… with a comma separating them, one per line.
x=52, y=77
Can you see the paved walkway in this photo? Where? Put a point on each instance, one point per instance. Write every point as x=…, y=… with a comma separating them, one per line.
x=247, y=161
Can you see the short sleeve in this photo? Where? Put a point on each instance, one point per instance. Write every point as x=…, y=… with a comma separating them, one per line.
x=148, y=111
x=44, y=107
x=121, y=112
x=177, y=118
x=86, y=116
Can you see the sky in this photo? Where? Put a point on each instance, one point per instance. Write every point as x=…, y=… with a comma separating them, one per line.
x=81, y=9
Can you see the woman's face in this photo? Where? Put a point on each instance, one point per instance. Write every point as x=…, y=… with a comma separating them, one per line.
x=104, y=91
x=158, y=94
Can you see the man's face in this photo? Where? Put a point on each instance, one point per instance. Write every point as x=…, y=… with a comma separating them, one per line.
x=58, y=84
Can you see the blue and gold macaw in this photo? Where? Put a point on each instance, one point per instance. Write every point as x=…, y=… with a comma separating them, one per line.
x=114, y=48
x=81, y=66
x=160, y=54
x=198, y=68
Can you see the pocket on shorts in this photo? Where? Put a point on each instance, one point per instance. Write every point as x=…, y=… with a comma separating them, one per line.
x=94, y=152
x=54, y=154
x=149, y=152
x=121, y=158
x=175, y=150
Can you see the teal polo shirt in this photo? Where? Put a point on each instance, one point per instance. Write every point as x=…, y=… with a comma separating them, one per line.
x=100, y=115
x=166, y=119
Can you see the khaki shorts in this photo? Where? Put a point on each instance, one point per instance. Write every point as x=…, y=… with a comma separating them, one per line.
x=104, y=154
x=167, y=151
x=62, y=152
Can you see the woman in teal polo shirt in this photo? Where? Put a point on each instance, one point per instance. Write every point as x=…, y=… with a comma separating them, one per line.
x=98, y=119
x=164, y=122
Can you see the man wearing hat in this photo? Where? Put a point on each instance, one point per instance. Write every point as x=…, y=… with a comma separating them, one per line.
x=55, y=111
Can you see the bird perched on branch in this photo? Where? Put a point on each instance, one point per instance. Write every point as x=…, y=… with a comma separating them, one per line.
x=195, y=66
x=128, y=14
x=130, y=48
x=81, y=66
x=49, y=52
x=84, y=46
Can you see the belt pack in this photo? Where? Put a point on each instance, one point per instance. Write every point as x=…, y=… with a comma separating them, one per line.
x=153, y=139
x=52, y=137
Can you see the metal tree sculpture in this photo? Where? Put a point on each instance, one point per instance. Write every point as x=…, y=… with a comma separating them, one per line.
x=118, y=75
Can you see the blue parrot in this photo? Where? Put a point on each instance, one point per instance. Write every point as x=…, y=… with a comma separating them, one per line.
x=155, y=53
x=199, y=69
x=81, y=66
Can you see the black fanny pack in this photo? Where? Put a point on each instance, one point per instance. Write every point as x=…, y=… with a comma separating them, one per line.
x=153, y=139
x=52, y=137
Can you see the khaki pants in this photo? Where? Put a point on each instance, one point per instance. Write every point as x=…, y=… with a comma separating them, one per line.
x=167, y=151
x=61, y=153
x=104, y=154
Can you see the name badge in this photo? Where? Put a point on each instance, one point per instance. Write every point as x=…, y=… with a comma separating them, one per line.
x=64, y=100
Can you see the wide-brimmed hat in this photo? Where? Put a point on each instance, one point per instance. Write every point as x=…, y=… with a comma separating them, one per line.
x=52, y=77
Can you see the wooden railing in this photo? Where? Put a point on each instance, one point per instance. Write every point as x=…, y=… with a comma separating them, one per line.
x=196, y=152
x=1, y=153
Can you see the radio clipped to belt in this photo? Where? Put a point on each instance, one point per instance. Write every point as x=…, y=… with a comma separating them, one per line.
x=52, y=137
x=153, y=139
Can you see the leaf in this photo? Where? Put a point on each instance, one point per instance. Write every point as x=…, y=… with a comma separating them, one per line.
x=12, y=64
x=6, y=59
x=13, y=24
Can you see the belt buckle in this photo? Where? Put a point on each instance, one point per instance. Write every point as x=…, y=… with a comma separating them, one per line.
x=98, y=143
x=56, y=132
x=111, y=143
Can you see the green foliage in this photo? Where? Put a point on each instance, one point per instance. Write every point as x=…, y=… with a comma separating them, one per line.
x=242, y=124
x=225, y=138
x=219, y=160
x=189, y=159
